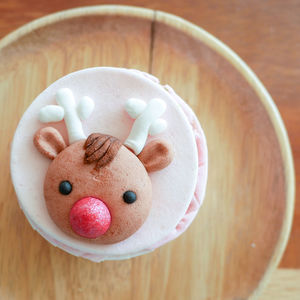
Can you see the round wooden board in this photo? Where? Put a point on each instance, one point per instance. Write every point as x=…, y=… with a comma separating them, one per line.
x=240, y=232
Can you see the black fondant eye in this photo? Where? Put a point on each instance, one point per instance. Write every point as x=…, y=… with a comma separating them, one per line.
x=65, y=187
x=129, y=197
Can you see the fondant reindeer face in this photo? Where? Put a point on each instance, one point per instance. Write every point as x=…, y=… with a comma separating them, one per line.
x=96, y=188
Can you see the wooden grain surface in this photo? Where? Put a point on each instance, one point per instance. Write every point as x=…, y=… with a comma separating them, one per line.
x=284, y=285
x=265, y=34
x=36, y=246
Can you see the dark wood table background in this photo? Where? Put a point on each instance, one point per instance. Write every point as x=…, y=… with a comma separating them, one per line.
x=265, y=34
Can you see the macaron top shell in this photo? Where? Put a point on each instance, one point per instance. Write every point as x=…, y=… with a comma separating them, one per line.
x=173, y=187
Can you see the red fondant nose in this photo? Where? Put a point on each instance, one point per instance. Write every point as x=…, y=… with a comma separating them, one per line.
x=90, y=217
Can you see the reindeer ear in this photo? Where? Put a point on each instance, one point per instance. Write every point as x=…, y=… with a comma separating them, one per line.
x=49, y=142
x=156, y=155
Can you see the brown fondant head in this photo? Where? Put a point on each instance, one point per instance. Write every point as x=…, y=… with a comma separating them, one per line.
x=97, y=189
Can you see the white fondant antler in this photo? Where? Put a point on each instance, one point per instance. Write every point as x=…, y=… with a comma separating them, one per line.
x=70, y=112
x=147, y=121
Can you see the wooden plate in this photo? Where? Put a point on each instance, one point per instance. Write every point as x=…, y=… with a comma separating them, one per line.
x=241, y=231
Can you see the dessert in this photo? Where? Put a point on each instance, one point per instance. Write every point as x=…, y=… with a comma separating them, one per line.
x=109, y=164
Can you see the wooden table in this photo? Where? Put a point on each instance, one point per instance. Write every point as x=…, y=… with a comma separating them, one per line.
x=265, y=35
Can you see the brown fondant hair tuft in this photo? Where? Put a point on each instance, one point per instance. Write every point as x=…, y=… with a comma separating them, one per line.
x=101, y=148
